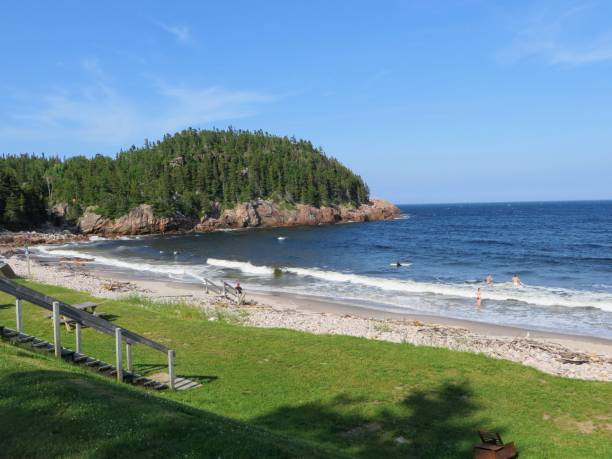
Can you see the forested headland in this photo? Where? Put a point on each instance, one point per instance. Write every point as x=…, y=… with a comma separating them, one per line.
x=184, y=173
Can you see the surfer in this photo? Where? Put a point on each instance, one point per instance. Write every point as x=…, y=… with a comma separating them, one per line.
x=516, y=280
x=489, y=279
x=398, y=264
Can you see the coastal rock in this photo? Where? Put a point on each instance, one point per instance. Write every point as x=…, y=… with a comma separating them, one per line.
x=140, y=220
x=10, y=240
x=92, y=222
x=252, y=214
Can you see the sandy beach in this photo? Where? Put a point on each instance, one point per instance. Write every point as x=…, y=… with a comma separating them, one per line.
x=570, y=356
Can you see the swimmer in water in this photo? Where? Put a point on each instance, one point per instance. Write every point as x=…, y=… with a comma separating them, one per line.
x=489, y=279
x=516, y=280
x=398, y=264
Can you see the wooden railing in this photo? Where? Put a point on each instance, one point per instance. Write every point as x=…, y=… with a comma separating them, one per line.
x=232, y=293
x=225, y=290
x=59, y=308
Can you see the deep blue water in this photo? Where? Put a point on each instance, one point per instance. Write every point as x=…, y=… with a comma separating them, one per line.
x=562, y=251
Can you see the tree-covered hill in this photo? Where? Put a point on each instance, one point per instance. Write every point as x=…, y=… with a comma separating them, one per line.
x=185, y=173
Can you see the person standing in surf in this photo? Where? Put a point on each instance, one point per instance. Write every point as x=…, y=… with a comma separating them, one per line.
x=489, y=279
x=516, y=280
x=478, y=297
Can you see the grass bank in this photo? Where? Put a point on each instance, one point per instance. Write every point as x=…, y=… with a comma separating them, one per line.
x=270, y=392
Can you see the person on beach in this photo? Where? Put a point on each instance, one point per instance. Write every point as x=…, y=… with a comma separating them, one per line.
x=478, y=297
x=516, y=280
x=238, y=288
x=489, y=279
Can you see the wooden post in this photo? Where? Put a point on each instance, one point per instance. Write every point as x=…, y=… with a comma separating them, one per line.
x=19, y=315
x=77, y=332
x=118, y=350
x=206, y=285
x=57, y=338
x=128, y=357
x=224, y=290
x=171, y=368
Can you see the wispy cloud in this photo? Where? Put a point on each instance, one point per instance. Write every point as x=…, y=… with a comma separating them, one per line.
x=561, y=34
x=99, y=115
x=181, y=33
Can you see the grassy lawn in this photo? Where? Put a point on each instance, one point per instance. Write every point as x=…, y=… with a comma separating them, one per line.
x=270, y=392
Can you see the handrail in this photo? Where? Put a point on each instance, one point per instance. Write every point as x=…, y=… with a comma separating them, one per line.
x=210, y=285
x=82, y=317
x=238, y=296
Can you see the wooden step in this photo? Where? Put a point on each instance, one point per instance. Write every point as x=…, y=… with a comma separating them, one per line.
x=40, y=344
x=25, y=339
x=105, y=368
x=80, y=358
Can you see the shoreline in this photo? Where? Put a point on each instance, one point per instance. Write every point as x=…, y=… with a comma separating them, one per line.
x=573, y=356
x=586, y=343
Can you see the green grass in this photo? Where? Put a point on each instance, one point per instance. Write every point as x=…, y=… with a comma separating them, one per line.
x=270, y=392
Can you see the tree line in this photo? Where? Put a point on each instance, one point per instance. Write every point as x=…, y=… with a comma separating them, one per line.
x=189, y=172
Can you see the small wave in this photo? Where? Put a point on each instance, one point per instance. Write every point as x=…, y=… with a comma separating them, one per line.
x=243, y=266
x=97, y=238
x=173, y=271
x=535, y=295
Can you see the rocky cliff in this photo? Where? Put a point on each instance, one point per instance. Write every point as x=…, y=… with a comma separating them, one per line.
x=257, y=213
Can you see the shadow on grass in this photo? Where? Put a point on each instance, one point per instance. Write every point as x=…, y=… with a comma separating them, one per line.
x=58, y=413
x=439, y=423
x=109, y=317
x=7, y=306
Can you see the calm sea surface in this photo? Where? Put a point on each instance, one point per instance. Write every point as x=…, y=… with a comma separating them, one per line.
x=562, y=251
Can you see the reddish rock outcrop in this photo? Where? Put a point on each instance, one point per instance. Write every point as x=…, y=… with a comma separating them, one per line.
x=140, y=220
x=257, y=213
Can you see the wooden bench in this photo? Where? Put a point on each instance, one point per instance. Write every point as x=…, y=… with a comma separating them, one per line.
x=492, y=447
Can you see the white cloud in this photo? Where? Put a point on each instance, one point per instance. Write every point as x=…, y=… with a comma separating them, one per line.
x=181, y=33
x=99, y=115
x=561, y=35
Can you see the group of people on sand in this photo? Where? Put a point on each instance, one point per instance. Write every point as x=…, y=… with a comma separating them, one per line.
x=516, y=281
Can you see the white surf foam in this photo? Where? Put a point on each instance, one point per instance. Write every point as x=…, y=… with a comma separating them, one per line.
x=175, y=271
x=243, y=266
x=536, y=295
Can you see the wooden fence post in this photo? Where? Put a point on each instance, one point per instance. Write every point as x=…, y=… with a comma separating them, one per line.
x=57, y=338
x=206, y=285
x=119, y=353
x=77, y=333
x=171, y=368
x=19, y=315
x=128, y=357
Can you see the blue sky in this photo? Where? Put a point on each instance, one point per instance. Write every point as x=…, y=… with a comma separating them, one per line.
x=449, y=101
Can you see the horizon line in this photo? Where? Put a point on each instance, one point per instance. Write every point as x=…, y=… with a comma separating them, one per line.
x=535, y=201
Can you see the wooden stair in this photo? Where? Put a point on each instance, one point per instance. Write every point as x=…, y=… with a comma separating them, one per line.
x=40, y=345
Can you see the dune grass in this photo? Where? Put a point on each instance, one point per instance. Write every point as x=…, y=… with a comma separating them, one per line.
x=272, y=392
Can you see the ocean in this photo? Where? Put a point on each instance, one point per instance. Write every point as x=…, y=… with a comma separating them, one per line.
x=562, y=252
